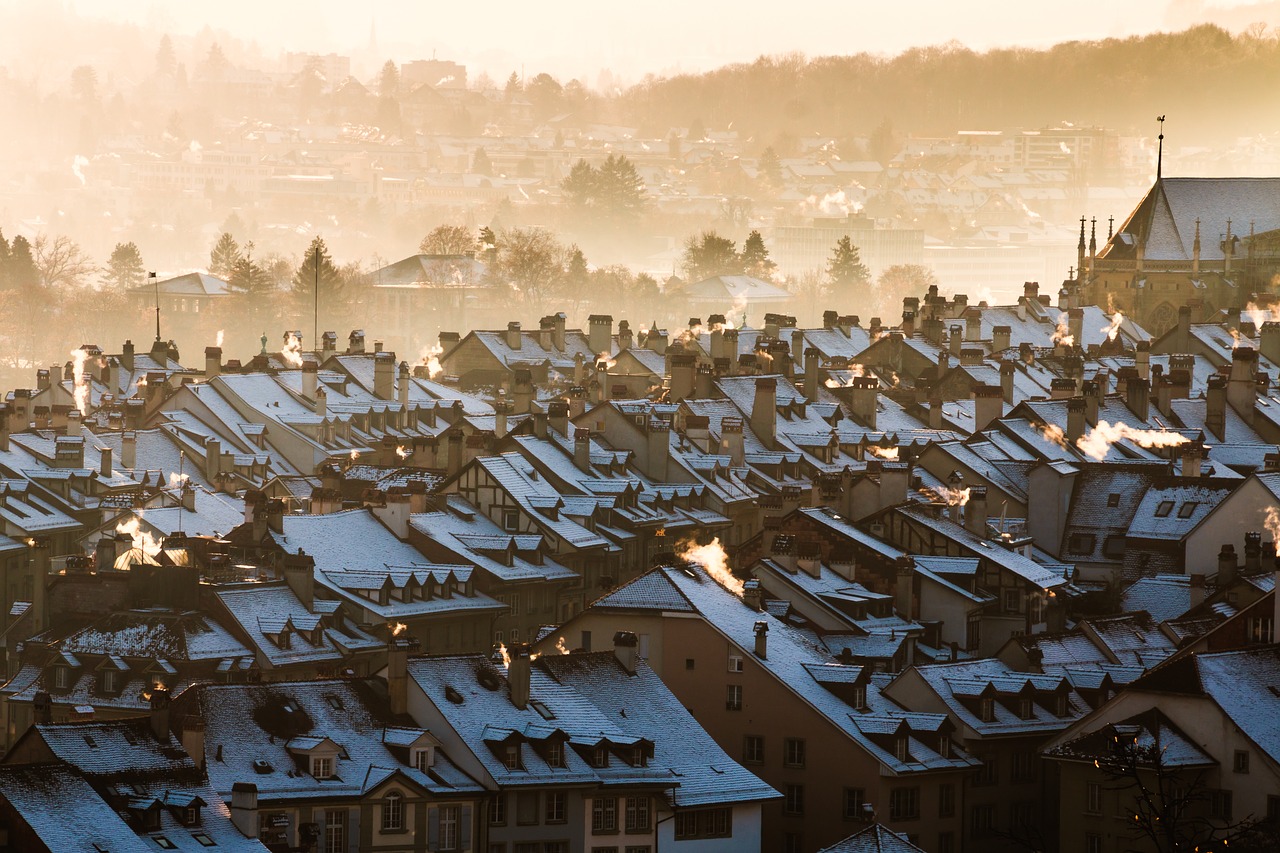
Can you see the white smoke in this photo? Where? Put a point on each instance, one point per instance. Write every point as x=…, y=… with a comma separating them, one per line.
x=888, y=453
x=833, y=204
x=77, y=167
x=80, y=383
x=1062, y=334
x=713, y=558
x=1113, y=328
x=1099, y=440
x=142, y=539
x=292, y=351
x=1272, y=523
x=218, y=340
x=431, y=358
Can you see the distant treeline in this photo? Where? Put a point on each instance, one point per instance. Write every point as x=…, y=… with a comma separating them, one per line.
x=1214, y=86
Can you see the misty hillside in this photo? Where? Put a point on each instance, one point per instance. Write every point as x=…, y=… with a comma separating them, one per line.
x=1212, y=85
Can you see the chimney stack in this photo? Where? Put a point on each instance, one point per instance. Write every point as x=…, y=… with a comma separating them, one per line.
x=626, y=648
x=864, y=399
x=1075, y=419
x=160, y=714
x=384, y=372
x=975, y=511
x=600, y=333
x=309, y=378
x=582, y=449
x=764, y=411
x=1252, y=555
x=244, y=808
x=753, y=595
x=519, y=672
x=988, y=405
x=761, y=630
x=212, y=362
x=398, y=675
x=1215, y=402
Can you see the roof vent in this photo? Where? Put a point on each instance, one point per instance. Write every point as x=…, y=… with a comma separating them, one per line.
x=488, y=679
x=262, y=766
x=453, y=695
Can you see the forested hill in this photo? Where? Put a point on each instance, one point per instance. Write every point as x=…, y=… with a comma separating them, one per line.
x=1214, y=86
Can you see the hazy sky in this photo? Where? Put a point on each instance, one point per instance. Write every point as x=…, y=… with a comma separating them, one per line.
x=579, y=37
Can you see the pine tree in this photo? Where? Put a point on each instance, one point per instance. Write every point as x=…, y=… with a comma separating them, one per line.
x=755, y=257
x=223, y=257
x=480, y=164
x=317, y=278
x=166, y=59
x=580, y=186
x=708, y=254
x=125, y=268
x=513, y=87
x=621, y=190
x=389, y=80
x=846, y=269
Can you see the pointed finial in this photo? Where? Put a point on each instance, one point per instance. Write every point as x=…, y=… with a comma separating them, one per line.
x=1111, y=222
x=1160, y=150
x=1081, y=232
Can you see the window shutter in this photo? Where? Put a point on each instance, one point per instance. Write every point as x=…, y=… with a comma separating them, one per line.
x=464, y=828
x=433, y=829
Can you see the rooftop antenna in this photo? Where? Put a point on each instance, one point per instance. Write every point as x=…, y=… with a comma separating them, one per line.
x=156, y=282
x=1160, y=149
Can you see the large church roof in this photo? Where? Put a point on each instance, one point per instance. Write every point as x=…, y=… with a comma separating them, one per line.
x=1165, y=220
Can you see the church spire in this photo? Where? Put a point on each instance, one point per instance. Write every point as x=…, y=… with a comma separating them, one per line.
x=1195, y=252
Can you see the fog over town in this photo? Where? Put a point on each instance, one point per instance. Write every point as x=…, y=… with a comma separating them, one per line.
x=564, y=426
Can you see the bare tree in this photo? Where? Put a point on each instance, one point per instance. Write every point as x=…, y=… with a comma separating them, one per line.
x=531, y=262
x=61, y=262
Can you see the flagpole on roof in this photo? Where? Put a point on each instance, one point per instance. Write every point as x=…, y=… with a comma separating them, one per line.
x=156, y=281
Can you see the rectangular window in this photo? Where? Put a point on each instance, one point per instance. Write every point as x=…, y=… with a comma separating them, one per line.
x=703, y=823
x=498, y=810
x=1163, y=509
x=586, y=641
x=752, y=749
x=794, y=800
x=557, y=809
x=604, y=814
x=321, y=768
x=393, y=812
x=1023, y=769
x=853, y=800
x=972, y=631
x=555, y=754
x=1093, y=797
x=1092, y=843
x=988, y=773
x=946, y=842
x=335, y=831
x=793, y=842
x=946, y=801
x=982, y=820
x=793, y=752
x=1022, y=818
x=1259, y=629
x=688, y=663
x=733, y=698
x=1220, y=805
x=735, y=662
x=449, y=827
x=637, y=819
x=904, y=804
x=1013, y=601
x=1273, y=809
x=527, y=808
x=510, y=520
x=1240, y=763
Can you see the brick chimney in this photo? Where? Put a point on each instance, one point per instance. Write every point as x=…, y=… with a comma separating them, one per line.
x=1242, y=391
x=1215, y=403
x=522, y=392
x=403, y=385
x=753, y=595
x=309, y=377
x=683, y=365
x=975, y=511
x=355, y=342
x=731, y=441
x=1075, y=418
x=582, y=449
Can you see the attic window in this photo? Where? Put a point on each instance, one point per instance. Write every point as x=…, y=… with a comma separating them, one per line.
x=204, y=839
x=1113, y=499
x=1187, y=509
x=1163, y=510
x=164, y=843
x=600, y=757
x=1024, y=708
x=555, y=754
x=511, y=757
x=542, y=709
x=422, y=759
x=860, y=696
x=335, y=702
x=901, y=748
x=988, y=709
x=322, y=768
x=1081, y=543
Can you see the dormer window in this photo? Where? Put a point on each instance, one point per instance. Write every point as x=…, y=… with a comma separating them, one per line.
x=901, y=748
x=109, y=681
x=1025, y=710
x=322, y=768
x=600, y=757
x=555, y=754
x=421, y=759
x=191, y=816
x=62, y=677
x=944, y=746
x=1061, y=706
x=638, y=757
x=860, y=696
x=511, y=756
x=988, y=709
